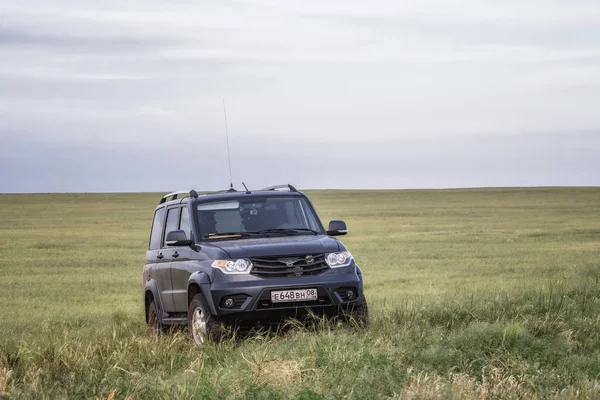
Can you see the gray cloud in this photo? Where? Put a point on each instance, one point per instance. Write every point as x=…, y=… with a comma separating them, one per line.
x=414, y=94
x=462, y=161
x=21, y=38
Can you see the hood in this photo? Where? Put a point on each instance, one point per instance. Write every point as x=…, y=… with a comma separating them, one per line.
x=278, y=246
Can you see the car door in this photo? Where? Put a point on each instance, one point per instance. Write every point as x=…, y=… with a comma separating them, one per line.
x=180, y=268
x=154, y=244
x=165, y=256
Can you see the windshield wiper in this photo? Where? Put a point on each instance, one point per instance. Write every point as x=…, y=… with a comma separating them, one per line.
x=289, y=231
x=233, y=234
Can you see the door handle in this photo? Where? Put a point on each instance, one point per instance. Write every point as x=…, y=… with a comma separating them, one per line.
x=160, y=256
x=176, y=254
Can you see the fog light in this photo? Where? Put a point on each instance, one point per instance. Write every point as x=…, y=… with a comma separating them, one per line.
x=228, y=302
x=350, y=294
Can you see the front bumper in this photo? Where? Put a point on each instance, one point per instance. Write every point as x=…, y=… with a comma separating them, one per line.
x=253, y=297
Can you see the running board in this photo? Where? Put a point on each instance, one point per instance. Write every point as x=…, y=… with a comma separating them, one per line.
x=170, y=319
x=174, y=321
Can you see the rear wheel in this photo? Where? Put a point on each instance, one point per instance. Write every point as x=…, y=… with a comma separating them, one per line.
x=203, y=326
x=154, y=325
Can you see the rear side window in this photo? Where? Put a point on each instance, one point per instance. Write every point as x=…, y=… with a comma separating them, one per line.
x=172, y=221
x=157, y=225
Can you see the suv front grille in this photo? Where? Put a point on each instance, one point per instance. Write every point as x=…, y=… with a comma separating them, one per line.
x=277, y=267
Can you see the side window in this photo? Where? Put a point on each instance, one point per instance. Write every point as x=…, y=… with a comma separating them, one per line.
x=184, y=222
x=157, y=228
x=172, y=221
x=309, y=216
x=293, y=212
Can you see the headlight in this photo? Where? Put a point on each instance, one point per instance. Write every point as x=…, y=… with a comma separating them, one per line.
x=240, y=266
x=336, y=260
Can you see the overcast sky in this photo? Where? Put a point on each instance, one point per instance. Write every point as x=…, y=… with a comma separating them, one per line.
x=127, y=96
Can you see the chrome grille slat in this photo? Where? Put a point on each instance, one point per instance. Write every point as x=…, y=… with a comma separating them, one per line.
x=282, y=265
x=290, y=271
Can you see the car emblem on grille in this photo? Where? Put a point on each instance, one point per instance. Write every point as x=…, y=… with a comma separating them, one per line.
x=289, y=263
x=309, y=259
x=298, y=271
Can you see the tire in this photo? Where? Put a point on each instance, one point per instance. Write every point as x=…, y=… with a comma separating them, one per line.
x=155, y=328
x=360, y=314
x=202, y=325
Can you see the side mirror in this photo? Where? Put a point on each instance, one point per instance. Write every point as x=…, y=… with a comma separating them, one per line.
x=337, y=227
x=177, y=238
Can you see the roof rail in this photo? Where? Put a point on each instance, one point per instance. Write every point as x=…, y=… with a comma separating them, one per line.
x=286, y=186
x=174, y=195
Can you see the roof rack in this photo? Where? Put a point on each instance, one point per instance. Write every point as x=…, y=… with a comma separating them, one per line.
x=230, y=190
x=192, y=193
x=286, y=186
x=174, y=195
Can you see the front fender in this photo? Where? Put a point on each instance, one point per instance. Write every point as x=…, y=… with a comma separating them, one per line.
x=203, y=281
x=362, y=283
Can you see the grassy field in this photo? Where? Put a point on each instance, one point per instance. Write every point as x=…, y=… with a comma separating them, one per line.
x=490, y=293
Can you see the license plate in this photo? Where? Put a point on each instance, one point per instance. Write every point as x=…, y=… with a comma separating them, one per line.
x=282, y=296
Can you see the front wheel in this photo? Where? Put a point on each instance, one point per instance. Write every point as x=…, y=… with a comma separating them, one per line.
x=360, y=314
x=202, y=325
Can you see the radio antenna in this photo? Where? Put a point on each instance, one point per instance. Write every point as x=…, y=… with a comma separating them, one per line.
x=228, y=151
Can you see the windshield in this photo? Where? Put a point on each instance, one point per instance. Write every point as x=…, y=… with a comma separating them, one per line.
x=257, y=216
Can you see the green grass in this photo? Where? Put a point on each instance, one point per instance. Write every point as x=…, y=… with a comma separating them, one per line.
x=479, y=293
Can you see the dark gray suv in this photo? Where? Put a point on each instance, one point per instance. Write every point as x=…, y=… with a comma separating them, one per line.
x=252, y=257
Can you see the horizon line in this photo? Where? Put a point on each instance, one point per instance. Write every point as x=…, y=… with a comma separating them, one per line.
x=336, y=189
